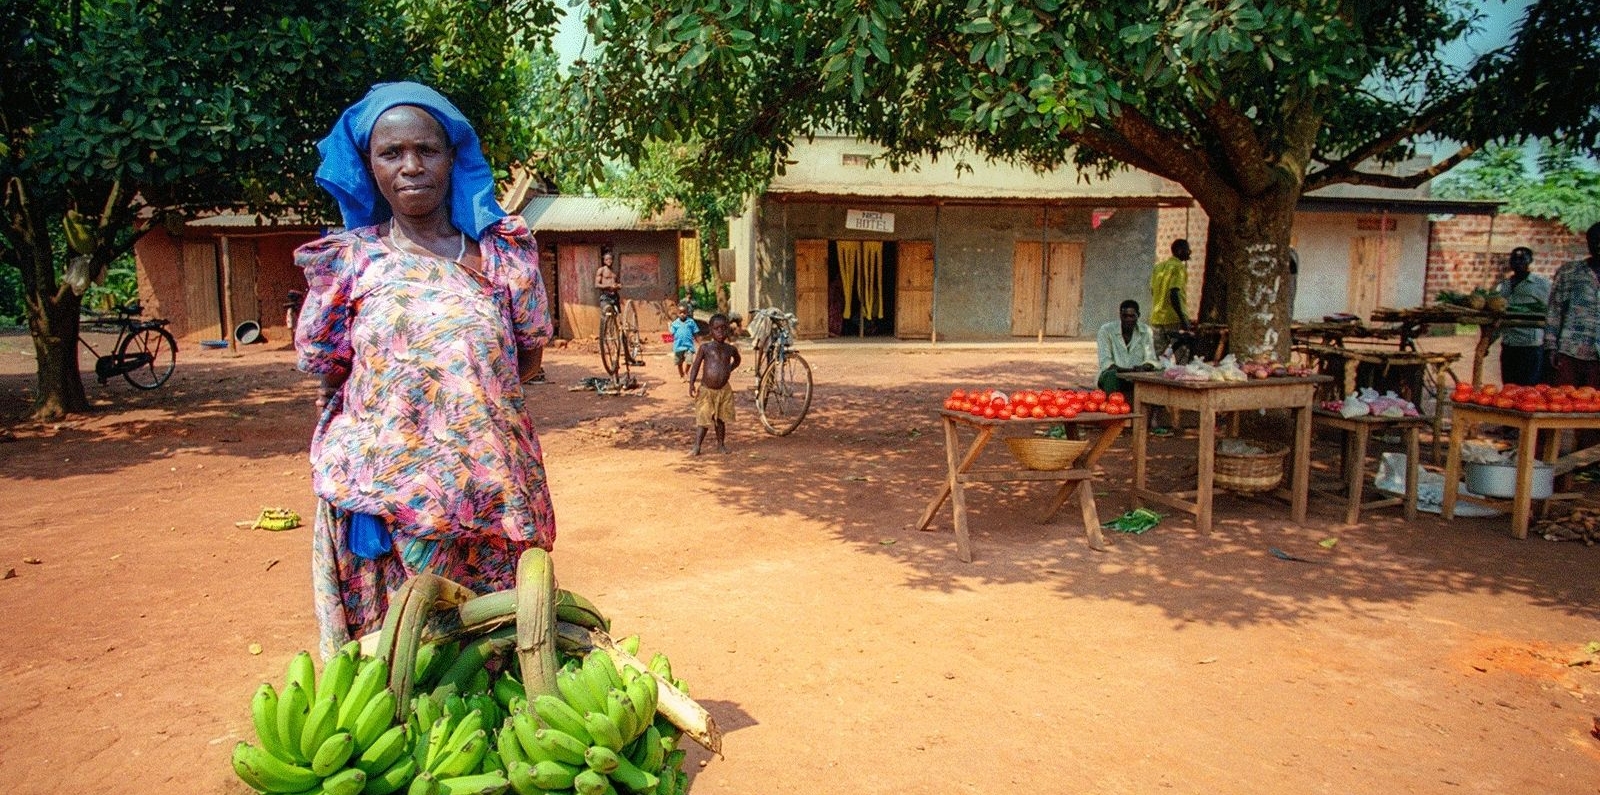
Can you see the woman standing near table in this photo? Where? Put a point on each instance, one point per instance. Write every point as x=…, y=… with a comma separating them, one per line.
x=423, y=319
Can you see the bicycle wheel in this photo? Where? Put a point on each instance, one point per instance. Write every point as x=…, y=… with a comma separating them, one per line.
x=633, y=346
x=783, y=395
x=157, y=354
x=610, y=343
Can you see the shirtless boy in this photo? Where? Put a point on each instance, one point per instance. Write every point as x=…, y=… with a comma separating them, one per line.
x=714, y=364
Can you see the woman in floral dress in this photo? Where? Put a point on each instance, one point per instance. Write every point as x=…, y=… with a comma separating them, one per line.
x=422, y=319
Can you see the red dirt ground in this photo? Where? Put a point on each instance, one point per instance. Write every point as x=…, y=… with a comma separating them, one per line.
x=839, y=648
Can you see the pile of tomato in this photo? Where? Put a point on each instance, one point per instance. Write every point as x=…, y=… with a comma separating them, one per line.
x=1035, y=403
x=1540, y=397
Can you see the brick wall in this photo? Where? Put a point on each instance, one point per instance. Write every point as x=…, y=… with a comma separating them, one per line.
x=1188, y=223
x=1466, y=252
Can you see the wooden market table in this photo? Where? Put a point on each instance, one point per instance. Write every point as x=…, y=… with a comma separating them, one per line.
x=1078, y=479
x=1353, y=461
x=1528, y=426
x=1208, y=399
x=1489, y=322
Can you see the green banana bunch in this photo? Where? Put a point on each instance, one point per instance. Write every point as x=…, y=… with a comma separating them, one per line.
x=432, y=660
x=276, y=519
x=333, y=735
x=576, y=609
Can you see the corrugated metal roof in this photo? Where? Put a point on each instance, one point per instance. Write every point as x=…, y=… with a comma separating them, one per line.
x=590, y=214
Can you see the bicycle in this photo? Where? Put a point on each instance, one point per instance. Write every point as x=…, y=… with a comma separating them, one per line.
x=145, y=353
x=620, y=344
x=783, y=378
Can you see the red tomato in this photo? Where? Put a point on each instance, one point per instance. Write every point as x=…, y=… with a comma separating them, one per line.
x=1003, y=414
x=1503, y=402
x=1098, y=396
x=1062, y=399
x=1484, y=399
x=1528, y=406
x=1052, y=410
x=1117, y=397
x=1069, y=412
x=1038, y=412
x=989, y=412
x=957, y=394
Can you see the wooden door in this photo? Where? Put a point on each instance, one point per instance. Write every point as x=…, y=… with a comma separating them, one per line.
x=913, y=300
x=243, y=303
x=811, y=288
x=1063, y=308
x=202, y=311
x=1372, y=259
x=580, y=303
x=1027, y=284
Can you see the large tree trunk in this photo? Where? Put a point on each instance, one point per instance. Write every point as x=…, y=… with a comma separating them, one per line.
x=1247, y=275
x=53, y=319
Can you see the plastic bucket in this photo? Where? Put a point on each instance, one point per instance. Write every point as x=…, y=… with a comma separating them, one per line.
x=247, y=332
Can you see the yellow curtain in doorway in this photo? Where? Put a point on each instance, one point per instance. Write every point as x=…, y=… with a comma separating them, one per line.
x=849, y=265
x=689, y=270
x=872, y=280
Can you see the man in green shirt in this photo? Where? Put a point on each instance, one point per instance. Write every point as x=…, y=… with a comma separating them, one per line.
x=1169, y=280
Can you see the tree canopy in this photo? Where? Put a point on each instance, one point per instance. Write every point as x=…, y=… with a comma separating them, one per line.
x=116, y=115
x=1246, y=103
x=1558, y=185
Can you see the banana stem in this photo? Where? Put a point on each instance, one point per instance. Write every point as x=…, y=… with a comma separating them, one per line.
x=536, y=623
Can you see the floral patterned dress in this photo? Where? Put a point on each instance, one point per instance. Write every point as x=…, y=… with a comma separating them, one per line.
x=429, y=431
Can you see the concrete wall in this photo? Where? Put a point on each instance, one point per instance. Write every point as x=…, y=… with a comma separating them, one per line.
x=1323, y=241
x=972, y=256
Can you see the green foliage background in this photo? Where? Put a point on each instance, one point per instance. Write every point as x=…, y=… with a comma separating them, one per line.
x=1559, y=185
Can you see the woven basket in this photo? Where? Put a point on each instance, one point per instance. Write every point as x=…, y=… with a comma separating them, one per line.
x=1038, y=452
x=1250, y=472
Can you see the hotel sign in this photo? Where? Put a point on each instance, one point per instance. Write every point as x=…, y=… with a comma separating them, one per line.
x=869, y=221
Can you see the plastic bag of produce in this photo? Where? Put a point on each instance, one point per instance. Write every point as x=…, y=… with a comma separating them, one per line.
x=1354, y=406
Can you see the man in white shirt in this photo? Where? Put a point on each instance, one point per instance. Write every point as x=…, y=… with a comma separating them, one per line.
x=1125, y=345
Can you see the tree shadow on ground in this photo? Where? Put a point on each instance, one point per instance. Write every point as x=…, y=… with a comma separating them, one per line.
x=868, y=459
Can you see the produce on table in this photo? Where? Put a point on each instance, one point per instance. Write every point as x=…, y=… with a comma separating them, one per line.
x=1229, y=369
x=1036, y=403
x=473, y=727
x=1368, y=402
x=1530, y=399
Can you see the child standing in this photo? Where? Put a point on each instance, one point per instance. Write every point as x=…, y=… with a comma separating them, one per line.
x=683, y=330
x=714, y=364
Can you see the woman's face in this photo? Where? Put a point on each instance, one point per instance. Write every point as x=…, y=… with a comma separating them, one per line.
x=410, y=158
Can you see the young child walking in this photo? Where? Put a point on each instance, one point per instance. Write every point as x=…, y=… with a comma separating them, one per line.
x=683, y=330
x=714, y=364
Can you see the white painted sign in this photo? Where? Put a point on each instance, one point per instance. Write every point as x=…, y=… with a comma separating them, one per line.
x=869, y=221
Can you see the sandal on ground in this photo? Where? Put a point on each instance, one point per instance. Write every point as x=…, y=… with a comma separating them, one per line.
x=536, y=378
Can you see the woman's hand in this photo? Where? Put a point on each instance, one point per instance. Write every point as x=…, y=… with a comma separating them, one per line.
x=329, y=386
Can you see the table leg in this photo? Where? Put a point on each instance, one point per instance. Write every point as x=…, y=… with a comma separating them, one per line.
x=953, y=468
x=1452, y=468
x=1302, y=462
x=1522, y=503
x=1141, y=436
x=1413, y=454
x=1207, y=464
x=1091, y=517
x=1355, y=466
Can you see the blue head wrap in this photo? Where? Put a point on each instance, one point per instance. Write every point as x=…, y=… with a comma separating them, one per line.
x=344, y=174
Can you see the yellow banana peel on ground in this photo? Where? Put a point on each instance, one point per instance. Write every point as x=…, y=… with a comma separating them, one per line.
x=273, y=519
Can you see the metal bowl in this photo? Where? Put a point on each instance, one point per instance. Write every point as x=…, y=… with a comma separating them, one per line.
x=1500, y=480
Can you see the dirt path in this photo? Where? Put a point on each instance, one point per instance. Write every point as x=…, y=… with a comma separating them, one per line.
x=839, y=648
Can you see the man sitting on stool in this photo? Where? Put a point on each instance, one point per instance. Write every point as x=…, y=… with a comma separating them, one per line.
x=1125, y=346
